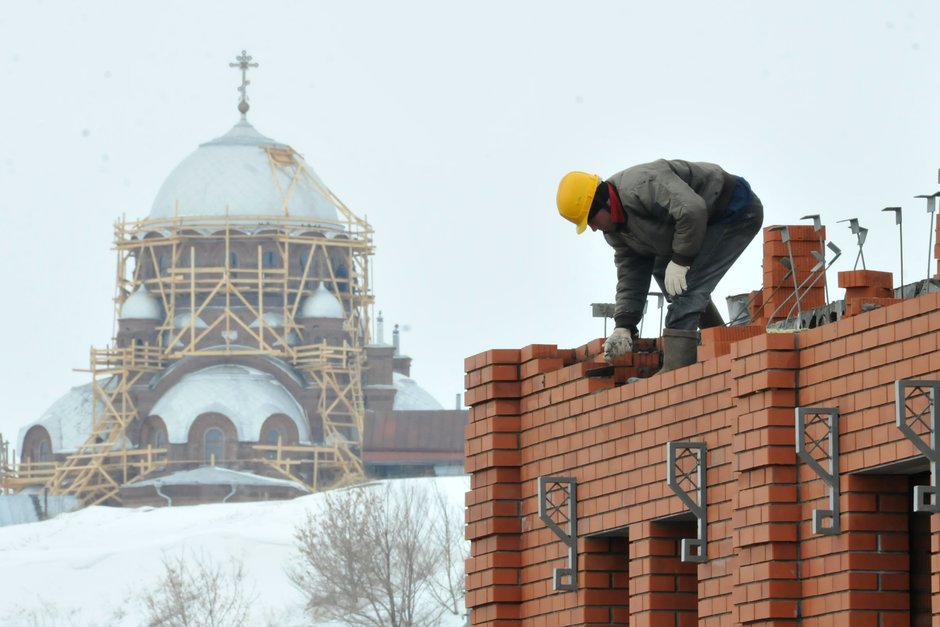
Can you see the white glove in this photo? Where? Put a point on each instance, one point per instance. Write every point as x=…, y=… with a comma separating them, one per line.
x=618, y=344
x=675, y=278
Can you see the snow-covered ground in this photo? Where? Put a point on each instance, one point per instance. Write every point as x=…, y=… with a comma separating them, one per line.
x=92, y=566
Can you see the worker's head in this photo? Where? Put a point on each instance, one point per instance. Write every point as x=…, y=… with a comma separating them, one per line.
x=575, y=197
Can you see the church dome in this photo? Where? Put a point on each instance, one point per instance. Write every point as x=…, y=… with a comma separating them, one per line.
x=322, y=304
x=244, y=395
x=243, y=173
x=141, y=305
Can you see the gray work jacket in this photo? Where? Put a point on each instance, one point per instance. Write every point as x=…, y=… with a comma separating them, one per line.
x=668, y=205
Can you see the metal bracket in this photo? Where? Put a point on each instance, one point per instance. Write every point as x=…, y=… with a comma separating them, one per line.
x=558, y=508
x=686, y=469
x=813, y=426
x=916, y=415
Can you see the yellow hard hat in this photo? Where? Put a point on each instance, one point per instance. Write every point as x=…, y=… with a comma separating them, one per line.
x=575, y=195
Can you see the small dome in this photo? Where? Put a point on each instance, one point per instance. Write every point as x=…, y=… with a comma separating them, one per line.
x=141, y=305
x=270, y=319
x=322, y=304
x=233, y=176
x=276, y=321
x=409, y=396
x=182, y=321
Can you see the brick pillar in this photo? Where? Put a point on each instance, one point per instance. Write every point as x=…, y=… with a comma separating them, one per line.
x=663, y=588
x=766, y=511
x=603, y=588
x=492, y=455
x=778, y=284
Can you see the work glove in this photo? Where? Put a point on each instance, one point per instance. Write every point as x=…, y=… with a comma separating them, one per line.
x=675, y=278
x=618, y=344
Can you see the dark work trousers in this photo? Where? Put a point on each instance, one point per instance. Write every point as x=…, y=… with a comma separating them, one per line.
x=724, y=243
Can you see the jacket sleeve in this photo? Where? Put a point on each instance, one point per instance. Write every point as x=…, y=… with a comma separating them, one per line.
x=689, y=211
x=633, y=283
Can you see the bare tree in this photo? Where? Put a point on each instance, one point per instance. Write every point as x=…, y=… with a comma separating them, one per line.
x=199, y=593
x=370, y=558
x=450, y=588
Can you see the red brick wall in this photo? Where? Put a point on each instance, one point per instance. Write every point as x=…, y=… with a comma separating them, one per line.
x=534, y=412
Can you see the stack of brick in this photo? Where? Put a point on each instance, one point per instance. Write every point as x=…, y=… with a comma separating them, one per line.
x=778, y=299
x=866, y=290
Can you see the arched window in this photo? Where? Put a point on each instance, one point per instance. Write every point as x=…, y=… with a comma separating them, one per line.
x=215, y=443
x=161, y=264
x=269, y=259
x=303, y=262
x=45, y=451
x=159, y=439
x=233, y=260
x=272, y=438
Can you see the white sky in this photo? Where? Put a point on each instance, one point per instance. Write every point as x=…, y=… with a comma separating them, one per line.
x=449, y=125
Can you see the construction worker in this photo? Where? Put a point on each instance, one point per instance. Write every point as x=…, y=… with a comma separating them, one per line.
x=683, y=223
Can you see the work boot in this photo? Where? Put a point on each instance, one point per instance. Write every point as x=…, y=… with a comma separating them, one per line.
x=680, y=348
x=711, y=317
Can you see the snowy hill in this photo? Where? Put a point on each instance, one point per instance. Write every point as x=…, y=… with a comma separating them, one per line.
x=91, y=567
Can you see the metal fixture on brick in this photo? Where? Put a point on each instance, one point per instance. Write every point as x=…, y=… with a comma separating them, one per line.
x=558, y=510
x=861, y=233
x=785, y=236
x=814, y=426
x=817, y=227
x=685, y=474
x=916, y=416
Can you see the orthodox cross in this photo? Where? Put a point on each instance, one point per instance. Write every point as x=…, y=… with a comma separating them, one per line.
x=244, y=62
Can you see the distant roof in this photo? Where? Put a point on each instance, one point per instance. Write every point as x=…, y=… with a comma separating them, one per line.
x=215, y=475
x=233, y=175
x=422, y=431
x=68, y=420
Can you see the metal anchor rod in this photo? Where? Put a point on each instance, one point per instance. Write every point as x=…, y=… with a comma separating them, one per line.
x=897, y=220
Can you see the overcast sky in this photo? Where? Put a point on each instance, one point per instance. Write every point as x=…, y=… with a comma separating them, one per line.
x=448, y=125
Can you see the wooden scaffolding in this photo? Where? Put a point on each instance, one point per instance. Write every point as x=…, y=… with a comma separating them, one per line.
x=230, y=287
